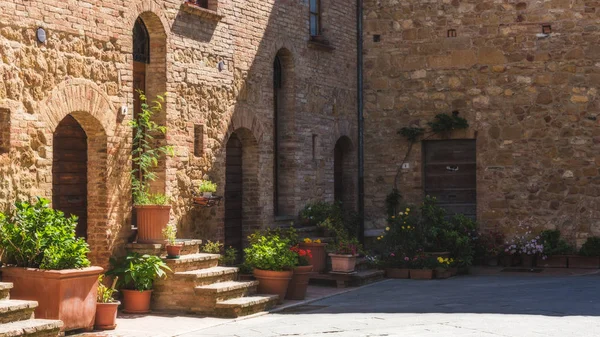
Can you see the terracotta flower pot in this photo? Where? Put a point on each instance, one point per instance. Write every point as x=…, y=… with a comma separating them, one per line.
x=151, y=220
x=173, y=251
x=299, y=282
x=421, y=274
x=491, y=261
x=398, y=273
x=68, y=295
x=136, y=302
x=443, y=273
x=273, y=282
x=342, y=263
x=453, y=271
x=319, y=256
x=106, y=316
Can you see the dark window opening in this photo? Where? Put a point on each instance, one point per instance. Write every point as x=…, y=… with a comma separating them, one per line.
x=4, y=130
x=315, y=17
x=451, y=32
x=141, y=42
x=277, y=88
x=376, y=38
x=546, y=29
x=198, y=140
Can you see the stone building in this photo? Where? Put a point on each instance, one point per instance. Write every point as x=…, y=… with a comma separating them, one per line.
x=524, y=73
x=261, y=99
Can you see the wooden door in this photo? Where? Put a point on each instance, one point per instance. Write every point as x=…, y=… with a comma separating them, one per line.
x=338, y=173
x=450, y=174
x=69, y=172
x=233, y=194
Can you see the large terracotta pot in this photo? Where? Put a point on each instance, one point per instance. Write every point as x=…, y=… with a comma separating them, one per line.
x=151, y=220
x=68, y=295
x=173, y=251
x=421, y=274
x=136, y=302
x=273, y=282
x=342, y=263
x=106, y=316
x=319, y=256
x=398, y=273
x=299, y=282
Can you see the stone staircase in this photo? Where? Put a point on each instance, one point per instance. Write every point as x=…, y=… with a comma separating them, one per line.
x=198, y=285
x=17, y=318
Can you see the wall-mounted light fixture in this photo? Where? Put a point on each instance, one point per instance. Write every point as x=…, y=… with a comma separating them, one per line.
x=221, y=66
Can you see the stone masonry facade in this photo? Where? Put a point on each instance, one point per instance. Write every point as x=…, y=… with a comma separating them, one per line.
x=217, y=68
x=524, y=73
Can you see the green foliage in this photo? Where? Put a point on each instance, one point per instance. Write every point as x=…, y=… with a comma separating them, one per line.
x=105, y=294
x=445, y=123
x=37, y=236
x=229, y=257
x=170, y=233
x=268, y=251
x=315, y=213
x=245, y=268
x=553, y=244
x=207, y=186
x=591, y=247
x=138, y=272
x=392, y=201
x=212, y=247
x=489, y=244
x=423, y=261
x=411, y=133
x=146, y=153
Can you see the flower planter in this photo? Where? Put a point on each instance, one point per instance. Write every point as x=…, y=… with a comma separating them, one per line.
x=68, y=295
x=342, y=263
x=453, y=271
x=491, y=261
x=135, y=301
x=106, y=316
x=319, y=257
x=273, y=282
x=397, y=273
x=528, y=261
x=509, y=260
x=443, y=273
x=584, y=262
x=298, y=284
x=173, y=251
x=556, y=261
x=151, y=220
x=421, y=274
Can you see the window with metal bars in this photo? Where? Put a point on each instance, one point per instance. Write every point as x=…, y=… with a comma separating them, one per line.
x=315, y=17
x=141, y=42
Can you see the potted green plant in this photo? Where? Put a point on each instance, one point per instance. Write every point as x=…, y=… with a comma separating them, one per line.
x=299, y=282
x=270, y=256
x=556, y=250
x=589, y=255
x=136, y=277
x=106, y=306
x=396, y=265
x=207, y=188
x=47, y=263
x=343, y=255
x=152, y=209
x=173, y=247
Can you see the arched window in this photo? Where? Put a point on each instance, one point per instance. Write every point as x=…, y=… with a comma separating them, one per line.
x=141, y=42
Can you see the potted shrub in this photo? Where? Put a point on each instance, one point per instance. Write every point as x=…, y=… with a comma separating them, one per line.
x=207, y=188
x=106, y=306
x=530, y=249
x=422, y=266
x=555, y=250
x=589, y=255
x=396, y=266
x=48, y=264
x=489, y=247
x=343, y=256
x=136, y=276
x=173, y=248
x=270, y=255
x=318, y=257
x=299, y=282
x=442, y=271
x=152, y=209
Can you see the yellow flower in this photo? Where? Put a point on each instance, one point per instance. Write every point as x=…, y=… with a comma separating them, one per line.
x=379, y=238
x=408, y=210
x=402, y=227
x=317, y=241
x=307, y=240
x=387, y=228
x=393, y=217
x=440, y=259
x=400, y=213
x=404, y=221
x=408, y=227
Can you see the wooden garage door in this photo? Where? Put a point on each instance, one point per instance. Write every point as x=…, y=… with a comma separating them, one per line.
x=233, y=193
x=69, y=172
x=450, y=174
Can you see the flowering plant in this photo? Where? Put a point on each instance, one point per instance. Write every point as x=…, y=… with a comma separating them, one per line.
x=445, y=262
x=396, y=260
x=303, y=255
x=401, y=236
x=347, y=247
x=523, y=242
x=423, y=261
x=490, y=243
x=309, y=240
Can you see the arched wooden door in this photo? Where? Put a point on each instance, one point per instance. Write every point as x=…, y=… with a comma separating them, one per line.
x=233, y=194
x=69, y=172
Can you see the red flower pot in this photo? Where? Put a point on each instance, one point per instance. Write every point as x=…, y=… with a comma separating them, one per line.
x=299, y=283
x=136, y=302
x=106, y=316
x=319, y=256
x=273, y=282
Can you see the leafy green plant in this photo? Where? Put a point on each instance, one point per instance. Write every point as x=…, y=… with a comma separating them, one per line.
x=245, y=268
x=269, y=251
x=146, y=153
x=170, y=233
x=411, y=133
x=229, y=257
x=445, y=123
x=37, y=236
x=105, y=294
x=211, y=247
x=392, y=201
x=553, y=244
x=207, y=186
x=591, y=247
x=346, y=246
x=138, y=272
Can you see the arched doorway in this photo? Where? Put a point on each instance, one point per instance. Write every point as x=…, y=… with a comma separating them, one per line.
x=234, y=192
x=343, y=173
x=69, y=172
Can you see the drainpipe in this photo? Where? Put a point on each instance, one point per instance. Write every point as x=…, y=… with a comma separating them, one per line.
x=359, y=105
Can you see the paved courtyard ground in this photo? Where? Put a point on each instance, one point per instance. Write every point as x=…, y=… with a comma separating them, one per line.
x=515, y=305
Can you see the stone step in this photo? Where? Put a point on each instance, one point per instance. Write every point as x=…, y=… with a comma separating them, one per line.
x=210, y=294
x=244, y=306
x=16, y=310
x=31, y=327
x=190, y=246
x=367, y=276
x=5, y=288
x=193, y=278
x=193, y=262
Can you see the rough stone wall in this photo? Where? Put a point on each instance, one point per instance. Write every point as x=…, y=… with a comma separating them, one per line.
x=85, y=69
x=531, y=101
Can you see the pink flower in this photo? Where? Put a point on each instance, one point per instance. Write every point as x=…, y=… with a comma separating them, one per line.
x=406, y=258
x=392, y=254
